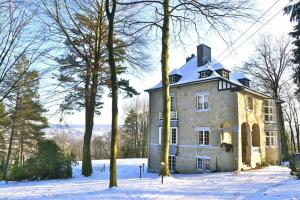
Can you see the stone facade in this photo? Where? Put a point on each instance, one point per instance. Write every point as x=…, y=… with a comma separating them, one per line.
x=228, y=120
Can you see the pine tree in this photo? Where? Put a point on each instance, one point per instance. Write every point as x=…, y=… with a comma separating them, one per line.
x=84, y=71
x=4, y=123
x=293, y=10
x=25, y=113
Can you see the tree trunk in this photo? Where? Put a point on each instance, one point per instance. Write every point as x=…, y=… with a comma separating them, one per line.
x=283, y=137
x=114, y=92
x=87, y=169
x=293, y=144
x=165, y=89
x=21, y=147
x=11, y=136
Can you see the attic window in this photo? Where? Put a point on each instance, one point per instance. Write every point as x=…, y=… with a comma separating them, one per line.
x=174, y=78
x=225, y=74
x=205, y=74
x=244, y=82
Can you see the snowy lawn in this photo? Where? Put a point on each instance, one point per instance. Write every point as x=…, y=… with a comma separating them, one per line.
x=268, y=183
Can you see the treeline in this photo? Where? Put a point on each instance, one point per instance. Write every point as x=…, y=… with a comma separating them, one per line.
x=132, y=140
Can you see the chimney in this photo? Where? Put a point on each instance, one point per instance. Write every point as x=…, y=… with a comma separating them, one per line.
x=203, y=54
x=189, y=58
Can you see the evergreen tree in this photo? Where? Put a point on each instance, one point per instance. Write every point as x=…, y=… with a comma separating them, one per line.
x=4, y=123
x=84, y=71
x=294, y=10
x=25, y=113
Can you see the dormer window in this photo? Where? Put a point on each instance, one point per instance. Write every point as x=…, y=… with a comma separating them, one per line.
x=244, y=81
x=204, y=74
x=223, y=73
x=174, y=78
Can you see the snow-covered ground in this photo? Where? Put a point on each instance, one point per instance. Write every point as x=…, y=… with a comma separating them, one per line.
x=268, y=183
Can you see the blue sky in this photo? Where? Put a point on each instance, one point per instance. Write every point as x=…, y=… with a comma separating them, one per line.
x=234, y=57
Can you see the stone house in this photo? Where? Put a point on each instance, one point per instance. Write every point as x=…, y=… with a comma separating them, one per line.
x=218, y=122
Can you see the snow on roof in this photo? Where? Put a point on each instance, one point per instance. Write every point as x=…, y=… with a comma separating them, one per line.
x=190, y=73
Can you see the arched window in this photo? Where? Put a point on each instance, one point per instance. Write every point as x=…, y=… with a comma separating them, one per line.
x=255, y=135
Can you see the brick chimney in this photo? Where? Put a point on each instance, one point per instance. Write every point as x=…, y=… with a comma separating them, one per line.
x=203, y=54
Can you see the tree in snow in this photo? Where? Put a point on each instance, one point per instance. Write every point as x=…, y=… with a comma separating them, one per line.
x=292, y=9
x=84, y=67
x=270, y=67
x=133, y=138
x=180, y=17
x=25, y=113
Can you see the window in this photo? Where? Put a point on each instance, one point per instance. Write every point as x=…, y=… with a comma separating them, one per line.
x=173, y=135
x=223, y=85
x=205, y=74
x=203, y=163
x=269, y=109
x=159, y=135
x=225, y=74
x=172, y=102
x=173, y=79
x=203, y=137
x=172, y=163
x=271, y=138
x=249, y=103
x=202, y=102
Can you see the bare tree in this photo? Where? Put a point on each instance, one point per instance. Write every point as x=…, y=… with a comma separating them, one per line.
x=291, y=114
x=179, y=18
x=270, y=67
x=18, y=38
x=134, y=135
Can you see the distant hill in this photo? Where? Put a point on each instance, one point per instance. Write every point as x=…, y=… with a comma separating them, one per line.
x=76, y=130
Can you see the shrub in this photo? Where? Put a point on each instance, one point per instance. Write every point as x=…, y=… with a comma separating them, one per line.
x=48, y=163
x=294, y=170
x=228, y=147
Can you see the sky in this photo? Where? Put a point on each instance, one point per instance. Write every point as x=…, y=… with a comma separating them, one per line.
x=235, y=55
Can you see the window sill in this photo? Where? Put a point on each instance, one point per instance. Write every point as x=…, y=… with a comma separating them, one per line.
x=270, y=122
x=203, y=145
x=249, y=110
x=204, y=110
x=203, y=170
x=271, y=147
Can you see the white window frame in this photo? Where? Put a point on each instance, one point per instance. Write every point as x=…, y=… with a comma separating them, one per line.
x=204, y=161
x=203, y=74
x=271, y=136
x=247, y=103
x=271, y=111
x=171, y=164
x=203, y=129
x=171, y=128
x=204, y=100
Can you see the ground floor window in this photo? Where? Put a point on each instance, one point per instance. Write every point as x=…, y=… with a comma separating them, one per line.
x=203, y=163
x=172, y=163
x=271, y=138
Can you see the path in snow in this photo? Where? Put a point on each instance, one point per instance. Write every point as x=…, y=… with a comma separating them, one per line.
x=268, y=183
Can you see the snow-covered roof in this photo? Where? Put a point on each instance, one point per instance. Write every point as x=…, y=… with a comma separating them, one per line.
x=189, y=73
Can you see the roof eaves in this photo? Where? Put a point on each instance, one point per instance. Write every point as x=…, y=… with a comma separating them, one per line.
x=187, y=83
